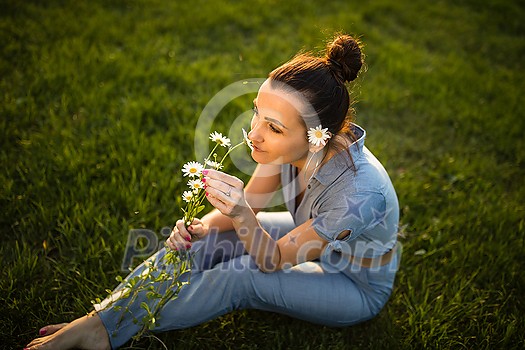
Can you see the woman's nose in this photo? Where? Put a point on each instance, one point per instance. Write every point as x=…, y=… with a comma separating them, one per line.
x=255, y=134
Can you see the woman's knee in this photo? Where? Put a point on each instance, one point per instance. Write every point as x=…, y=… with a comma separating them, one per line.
x=216, y=248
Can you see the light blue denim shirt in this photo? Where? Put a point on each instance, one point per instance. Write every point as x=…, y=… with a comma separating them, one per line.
x=340, y=197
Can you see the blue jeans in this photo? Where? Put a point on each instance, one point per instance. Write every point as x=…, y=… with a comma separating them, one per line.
x=225, y=278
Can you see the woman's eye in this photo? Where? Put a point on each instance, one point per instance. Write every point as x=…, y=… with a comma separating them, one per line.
x=255, y=110
x=274, y=129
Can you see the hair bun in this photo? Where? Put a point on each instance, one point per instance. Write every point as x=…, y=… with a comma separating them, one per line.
x=344, y=57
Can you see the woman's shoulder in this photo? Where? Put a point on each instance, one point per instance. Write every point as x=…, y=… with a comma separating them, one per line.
x=349, y=175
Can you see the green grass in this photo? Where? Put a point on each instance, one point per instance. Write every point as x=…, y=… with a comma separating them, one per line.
x=99, y=104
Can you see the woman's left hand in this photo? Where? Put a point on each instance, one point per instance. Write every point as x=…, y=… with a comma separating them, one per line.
x=225, y=192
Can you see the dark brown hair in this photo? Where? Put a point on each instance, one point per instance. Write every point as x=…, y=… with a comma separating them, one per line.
x=322, y=81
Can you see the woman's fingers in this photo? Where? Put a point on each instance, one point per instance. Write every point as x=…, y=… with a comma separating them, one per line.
x=217, y=202
x=174, y=242
x=219, y=176
x=224, y=192
x=196, y=229
x=229, y=195
x=224, y=187
x=217, y=185
x=179, y=238
x=230, y=205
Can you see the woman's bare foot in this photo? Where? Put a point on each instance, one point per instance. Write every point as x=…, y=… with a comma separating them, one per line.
x=86, y=332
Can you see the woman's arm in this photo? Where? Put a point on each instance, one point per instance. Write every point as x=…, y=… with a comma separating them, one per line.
x=299, y=245
x=259, y=191
x=225, y=192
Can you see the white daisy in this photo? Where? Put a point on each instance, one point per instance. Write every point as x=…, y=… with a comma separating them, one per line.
x=220, y=139
x=187, y=196
x=196, y=184
x=214, y=165
x=318, y=136
x=192, y=169
x=247, y=141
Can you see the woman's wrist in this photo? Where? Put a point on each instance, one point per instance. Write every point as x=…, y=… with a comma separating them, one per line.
x=243, y=216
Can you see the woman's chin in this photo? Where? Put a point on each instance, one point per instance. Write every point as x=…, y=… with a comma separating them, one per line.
x=261, y=158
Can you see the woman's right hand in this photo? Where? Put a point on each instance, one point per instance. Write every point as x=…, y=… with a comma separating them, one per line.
x=181, y=237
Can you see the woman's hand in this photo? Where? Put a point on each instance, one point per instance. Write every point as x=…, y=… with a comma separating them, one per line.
x=225, y=192
x=182, y=236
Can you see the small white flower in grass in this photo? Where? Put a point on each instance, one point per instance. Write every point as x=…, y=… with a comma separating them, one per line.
x=318, y=136
x=220, y=139
x=247, y=141
x=196, y=184
x=192, y=169
x=187, y=196
x=214, y=165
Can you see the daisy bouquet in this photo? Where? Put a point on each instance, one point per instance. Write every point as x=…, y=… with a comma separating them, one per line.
x=195, y=195
x=159, y=278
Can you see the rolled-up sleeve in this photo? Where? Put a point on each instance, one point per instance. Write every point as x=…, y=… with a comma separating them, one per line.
x=353, y=212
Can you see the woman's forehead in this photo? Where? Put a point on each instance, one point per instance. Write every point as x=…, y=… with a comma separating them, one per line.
x=278, y=103
x=281, y=96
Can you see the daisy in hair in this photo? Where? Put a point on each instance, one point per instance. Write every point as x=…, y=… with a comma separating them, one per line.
x=318, y=136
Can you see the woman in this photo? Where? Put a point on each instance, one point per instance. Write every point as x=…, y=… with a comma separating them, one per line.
x=330, y=260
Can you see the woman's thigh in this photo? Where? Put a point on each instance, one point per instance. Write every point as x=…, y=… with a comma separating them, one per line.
x=306, y=291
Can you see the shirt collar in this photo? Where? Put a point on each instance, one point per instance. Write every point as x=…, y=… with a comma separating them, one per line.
x=338, y=164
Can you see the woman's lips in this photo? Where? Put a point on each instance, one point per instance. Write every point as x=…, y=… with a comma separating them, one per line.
x=255, y=148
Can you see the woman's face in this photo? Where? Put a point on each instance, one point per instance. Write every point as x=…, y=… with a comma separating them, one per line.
x=277, y=131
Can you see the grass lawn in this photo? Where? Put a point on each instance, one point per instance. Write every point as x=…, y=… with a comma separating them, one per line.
x=100, y=100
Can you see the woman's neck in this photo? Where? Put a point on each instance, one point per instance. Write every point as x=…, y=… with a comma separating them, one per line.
x=311, y=163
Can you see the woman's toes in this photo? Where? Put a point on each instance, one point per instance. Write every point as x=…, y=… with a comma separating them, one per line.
x=35, y=342
x=47, y=330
